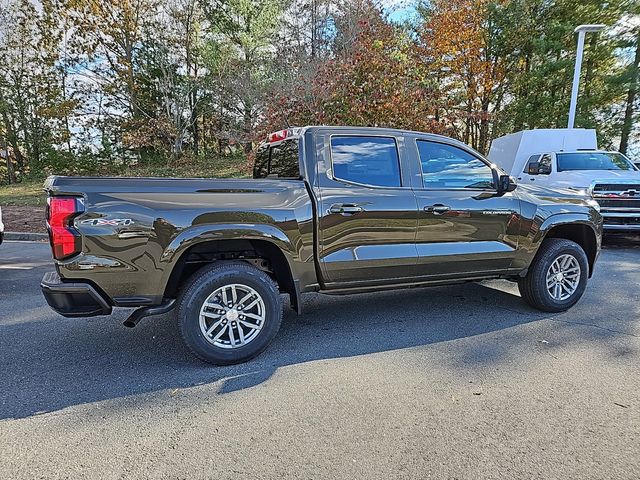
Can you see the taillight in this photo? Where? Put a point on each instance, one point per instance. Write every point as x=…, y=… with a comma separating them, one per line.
x=278, y=136
x=65, y=239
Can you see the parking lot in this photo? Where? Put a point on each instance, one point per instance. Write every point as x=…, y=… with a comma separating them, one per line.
x=452, y=382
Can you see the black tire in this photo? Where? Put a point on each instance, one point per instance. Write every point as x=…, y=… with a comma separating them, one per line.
x=533, y=287
x=204, y=283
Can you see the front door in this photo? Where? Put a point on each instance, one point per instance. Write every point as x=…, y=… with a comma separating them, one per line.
x=464, y=227
x=367, y=215
x=546, y=171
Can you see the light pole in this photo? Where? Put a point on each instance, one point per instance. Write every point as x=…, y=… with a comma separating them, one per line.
x=581, y=31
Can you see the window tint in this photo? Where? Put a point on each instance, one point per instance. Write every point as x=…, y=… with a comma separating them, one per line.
x=366, y=160
x=280, y=160
x=544, y=164
x=446, y=166
x=592, y=161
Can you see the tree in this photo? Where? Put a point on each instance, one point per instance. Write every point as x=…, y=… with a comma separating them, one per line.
x=108, y=37
x=239, y=58
x=90, y=85
x=630, y=107
x=32, y=101
x=377, y=80
x=459, y=38
x=538, y=45
x=631, y=74
x=169, y=81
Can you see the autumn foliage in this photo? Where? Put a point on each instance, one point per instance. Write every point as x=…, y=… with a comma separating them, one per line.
x=443, y=80
x=381, y=81
x=91, y=86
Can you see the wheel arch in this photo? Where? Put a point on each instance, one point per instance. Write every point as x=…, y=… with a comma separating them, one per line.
x=263, y=253
x=580, y=232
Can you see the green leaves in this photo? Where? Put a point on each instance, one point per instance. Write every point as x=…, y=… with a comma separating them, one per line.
x=126, y=81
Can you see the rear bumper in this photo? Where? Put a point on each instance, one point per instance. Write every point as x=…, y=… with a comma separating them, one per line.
x=73, y=299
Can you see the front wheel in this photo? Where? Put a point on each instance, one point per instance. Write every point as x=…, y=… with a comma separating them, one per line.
x=557, y=277
x=229, y=313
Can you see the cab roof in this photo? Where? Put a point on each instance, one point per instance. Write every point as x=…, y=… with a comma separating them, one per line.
x=293, y=132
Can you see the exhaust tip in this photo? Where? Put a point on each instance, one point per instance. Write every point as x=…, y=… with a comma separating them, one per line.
x=142, y=312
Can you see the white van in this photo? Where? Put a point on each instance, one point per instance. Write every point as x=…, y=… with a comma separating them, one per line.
x=570, y=159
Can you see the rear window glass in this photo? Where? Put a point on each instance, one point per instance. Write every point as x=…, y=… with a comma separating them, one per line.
x=366, y=160
x=277, y=161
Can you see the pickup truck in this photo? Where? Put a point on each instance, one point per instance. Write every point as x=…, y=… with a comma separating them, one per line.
x=568, y=158
x=335, y=210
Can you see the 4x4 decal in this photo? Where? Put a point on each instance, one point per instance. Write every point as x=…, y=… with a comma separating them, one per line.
x=99, y=222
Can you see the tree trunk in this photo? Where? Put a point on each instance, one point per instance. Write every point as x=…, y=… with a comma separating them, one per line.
x=195, y=131
x=314, y=28
x=5, y=149
x=588, y=75
x=496, y=108
x=192, y=72
x=631, y=98
x=483, y=139
x=11, y=138
x=519, y=123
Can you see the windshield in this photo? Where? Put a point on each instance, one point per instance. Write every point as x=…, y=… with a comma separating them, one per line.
x=593, y=161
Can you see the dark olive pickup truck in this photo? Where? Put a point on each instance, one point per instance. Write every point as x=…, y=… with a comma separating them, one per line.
x=330, y=209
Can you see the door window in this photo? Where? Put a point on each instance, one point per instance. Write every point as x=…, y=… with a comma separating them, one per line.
x=533, y=159
x=544, y=164
x=448, y=167
x=366, y=160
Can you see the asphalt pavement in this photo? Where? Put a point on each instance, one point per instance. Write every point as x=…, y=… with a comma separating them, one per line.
x=452, y=382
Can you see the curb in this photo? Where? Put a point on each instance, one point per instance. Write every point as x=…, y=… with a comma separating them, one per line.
x=26, y=236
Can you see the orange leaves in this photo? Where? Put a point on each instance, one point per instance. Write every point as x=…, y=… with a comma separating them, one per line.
x=379, y=81
x=456, y=37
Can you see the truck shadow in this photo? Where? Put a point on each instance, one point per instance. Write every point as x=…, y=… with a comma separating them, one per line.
x=49, y=363
x=613, y=241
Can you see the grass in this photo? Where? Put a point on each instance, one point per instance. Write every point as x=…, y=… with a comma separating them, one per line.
x=222, y=167
x=26, y=193
x=29, y=191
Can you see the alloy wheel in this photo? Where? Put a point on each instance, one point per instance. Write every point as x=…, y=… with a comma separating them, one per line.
x=232, y=316
x=563, y=277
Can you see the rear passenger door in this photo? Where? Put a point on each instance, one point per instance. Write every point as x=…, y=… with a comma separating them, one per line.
x=367, y=216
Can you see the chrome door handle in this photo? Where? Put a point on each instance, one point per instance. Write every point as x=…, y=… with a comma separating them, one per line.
x=437, y=209
x=345, y=209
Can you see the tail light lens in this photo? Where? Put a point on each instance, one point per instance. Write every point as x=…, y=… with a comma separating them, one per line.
x=65, y=239
x=277, y=136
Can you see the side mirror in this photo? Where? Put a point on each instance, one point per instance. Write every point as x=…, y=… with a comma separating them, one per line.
x=533, y=168
x=506, y=184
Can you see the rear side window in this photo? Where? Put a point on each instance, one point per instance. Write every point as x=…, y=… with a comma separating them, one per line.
x=366, y=160
x=278, y=161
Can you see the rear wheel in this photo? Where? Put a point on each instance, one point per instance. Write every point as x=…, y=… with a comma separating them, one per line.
x=557, y=277
x=229, y=313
